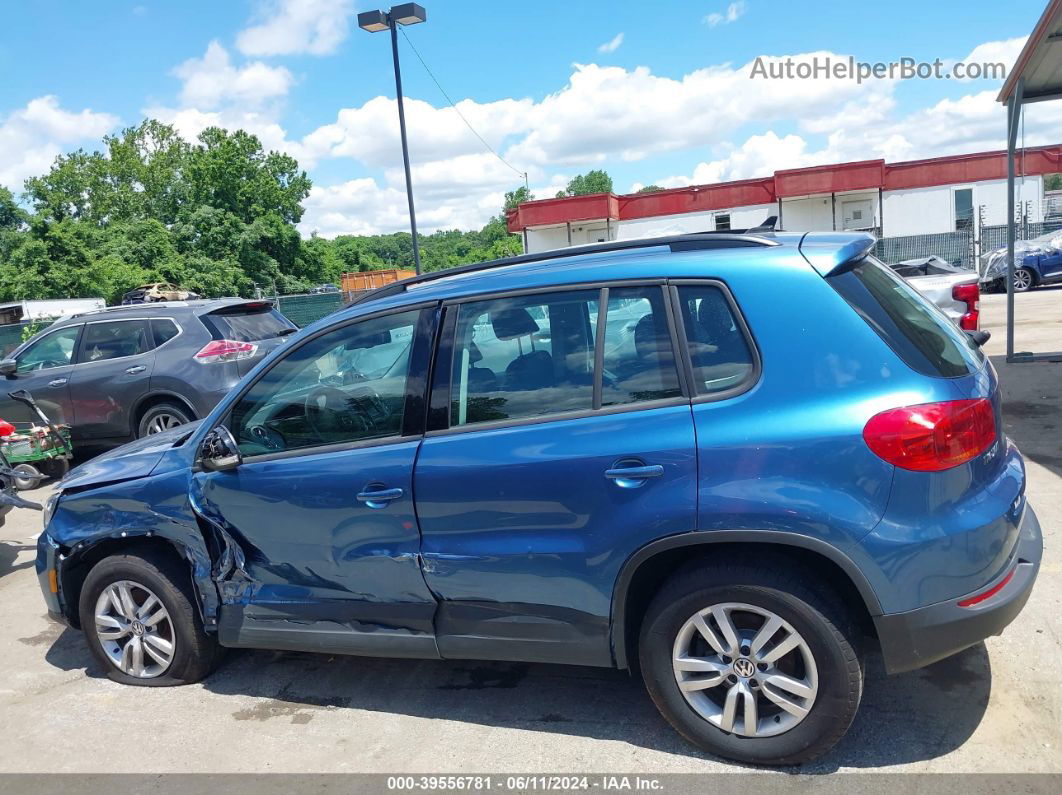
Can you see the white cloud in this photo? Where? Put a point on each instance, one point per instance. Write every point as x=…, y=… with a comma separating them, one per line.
x=212, y=80
x=291, y=27
x=995, y=52
x=31, y=137
x=731, y=14
x=612, y=45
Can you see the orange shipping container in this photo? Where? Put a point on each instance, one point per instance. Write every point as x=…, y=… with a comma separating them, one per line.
x=369, y=280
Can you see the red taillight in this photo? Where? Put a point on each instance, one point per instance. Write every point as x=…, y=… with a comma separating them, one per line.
x=978, y=598
x=969, y=294
x=225, y=351
x=931, y=437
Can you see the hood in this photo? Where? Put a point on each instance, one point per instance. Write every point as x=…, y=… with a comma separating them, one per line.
x=134, y=460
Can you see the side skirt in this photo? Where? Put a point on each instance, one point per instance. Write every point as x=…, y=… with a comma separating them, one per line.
x=237, y=630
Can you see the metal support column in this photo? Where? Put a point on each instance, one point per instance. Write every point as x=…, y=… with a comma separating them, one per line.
x=1013, y=121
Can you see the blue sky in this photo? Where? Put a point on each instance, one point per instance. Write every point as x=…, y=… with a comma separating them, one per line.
x=652, y=92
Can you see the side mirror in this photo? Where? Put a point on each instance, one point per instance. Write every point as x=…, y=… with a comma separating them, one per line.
x=8, y=366
x=979, y=338
x=219, y=451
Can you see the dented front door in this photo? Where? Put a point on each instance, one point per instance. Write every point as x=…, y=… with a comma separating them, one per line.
x=321, y=506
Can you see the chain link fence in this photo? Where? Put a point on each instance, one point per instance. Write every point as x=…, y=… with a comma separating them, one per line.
x=962, y=247
x=955, y=247
x=302, y=310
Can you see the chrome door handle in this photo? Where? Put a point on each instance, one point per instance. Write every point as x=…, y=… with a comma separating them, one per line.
x=379, y=498
x=57, y=382
x=134, y=370
x=631, y=477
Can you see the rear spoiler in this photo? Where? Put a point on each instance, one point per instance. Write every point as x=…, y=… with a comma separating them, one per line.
x=834, y=253
x=242, y=306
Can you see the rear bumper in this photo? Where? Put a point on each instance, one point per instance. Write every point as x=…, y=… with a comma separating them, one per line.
x=919, y=637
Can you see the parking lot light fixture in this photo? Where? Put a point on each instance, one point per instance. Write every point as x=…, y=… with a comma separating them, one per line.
x=376, y=22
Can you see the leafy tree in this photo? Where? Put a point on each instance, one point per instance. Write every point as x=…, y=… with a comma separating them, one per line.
x=216, y=215
x=649, y=189
x=595, y=181
x=514, y=198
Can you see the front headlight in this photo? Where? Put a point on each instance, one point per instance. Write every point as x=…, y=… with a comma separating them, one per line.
x=49, y=508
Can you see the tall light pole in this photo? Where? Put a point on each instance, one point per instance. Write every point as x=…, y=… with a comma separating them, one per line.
x=375, y=22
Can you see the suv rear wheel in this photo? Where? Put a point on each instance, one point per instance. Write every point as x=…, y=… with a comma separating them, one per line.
x=162, y=417
x=140, y=622
x=749, y=663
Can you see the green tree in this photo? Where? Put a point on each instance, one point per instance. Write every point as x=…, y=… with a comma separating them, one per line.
x=649, y=189
x=595, y=181
x=514, y=198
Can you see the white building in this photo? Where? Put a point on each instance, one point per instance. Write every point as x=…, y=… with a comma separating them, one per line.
x=918, y=197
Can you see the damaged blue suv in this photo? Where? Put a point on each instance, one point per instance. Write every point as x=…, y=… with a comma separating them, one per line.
x=729, y=462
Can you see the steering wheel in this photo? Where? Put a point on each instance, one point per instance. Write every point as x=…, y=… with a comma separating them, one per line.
x=267, y=437
x=329, y=409
x=45, y=364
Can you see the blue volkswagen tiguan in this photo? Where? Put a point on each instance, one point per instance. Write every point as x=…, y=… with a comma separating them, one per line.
x=729, y=462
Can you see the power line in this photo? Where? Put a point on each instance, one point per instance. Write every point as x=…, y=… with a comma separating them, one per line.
x=459, y=113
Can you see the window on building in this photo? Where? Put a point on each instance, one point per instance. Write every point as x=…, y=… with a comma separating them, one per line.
x=964, y=208
x=722, y=222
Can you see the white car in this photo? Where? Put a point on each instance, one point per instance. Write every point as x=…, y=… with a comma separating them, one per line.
x=953, y=289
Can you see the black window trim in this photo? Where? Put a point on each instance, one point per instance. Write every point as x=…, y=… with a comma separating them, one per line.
x=753, y=378
x=441, y=386
x=409, y=433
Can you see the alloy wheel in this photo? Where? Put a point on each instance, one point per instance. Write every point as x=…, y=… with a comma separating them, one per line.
x=1022, y=279
x=134, y=629
x=163, y=421
x=745, y=670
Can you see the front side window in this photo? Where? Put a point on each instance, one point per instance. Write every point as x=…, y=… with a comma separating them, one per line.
x=115, y=340
x=719, y=351
x=348, y=385
x=53, y=350
x=516, y=358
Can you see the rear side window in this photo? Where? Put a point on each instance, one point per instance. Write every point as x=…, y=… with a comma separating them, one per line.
x=115, y=340
x=163, y=330
x=246, y=324
x=523, y=357
x=638, y=358
x=719, y=351
x=919, y=334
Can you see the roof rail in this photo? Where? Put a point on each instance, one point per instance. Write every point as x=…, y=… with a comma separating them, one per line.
x=690, y=242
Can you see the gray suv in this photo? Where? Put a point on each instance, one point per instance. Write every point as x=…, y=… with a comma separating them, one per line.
x=130, y=371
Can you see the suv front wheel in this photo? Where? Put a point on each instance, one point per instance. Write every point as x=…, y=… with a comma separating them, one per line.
x=750, y=663
x=141, y=623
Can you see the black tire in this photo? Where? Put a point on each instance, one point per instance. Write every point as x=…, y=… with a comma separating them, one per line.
x=56, y=467
x=1025, y=278
x=173, y=411
x=195, y=652
x=28, y=477
x=815, y=612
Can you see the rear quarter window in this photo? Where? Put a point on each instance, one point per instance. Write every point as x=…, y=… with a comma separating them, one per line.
x=246, y=325
x=917, y=331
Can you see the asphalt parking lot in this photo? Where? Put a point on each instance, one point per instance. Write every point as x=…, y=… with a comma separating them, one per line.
x=995, y=708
